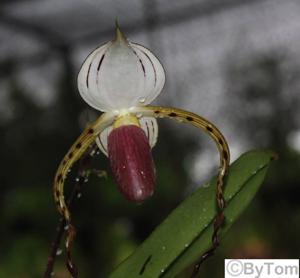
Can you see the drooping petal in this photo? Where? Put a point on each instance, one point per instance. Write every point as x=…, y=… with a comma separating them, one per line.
x=131, y=162
x=120, y=75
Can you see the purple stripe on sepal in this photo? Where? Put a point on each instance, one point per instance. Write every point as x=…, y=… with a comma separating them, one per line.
x=131, y=162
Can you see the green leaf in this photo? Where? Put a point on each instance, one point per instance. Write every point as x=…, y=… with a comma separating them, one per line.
x=186, y=233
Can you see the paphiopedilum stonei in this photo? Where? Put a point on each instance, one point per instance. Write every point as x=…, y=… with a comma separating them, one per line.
x=120, y=78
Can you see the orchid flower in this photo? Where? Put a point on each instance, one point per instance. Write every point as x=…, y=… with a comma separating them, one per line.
x=120, y=78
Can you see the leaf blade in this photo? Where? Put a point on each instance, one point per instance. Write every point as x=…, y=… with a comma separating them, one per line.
x=186, y=233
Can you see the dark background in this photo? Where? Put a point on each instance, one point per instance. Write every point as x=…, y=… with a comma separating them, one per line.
x=234, y=62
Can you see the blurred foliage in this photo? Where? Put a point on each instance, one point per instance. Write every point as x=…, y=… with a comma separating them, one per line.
x=261, y=106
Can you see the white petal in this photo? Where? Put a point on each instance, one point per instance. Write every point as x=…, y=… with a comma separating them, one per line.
x=101, y=140
x=150, y=127
x=120, y=75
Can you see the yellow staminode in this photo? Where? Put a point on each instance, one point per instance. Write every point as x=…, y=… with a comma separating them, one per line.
x=126, y=119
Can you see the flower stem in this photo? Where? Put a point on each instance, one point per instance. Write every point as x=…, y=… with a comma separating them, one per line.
x=82, y=175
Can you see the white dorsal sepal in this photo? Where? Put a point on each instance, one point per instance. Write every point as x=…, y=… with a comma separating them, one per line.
x=120, y=75
x=88, y=75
